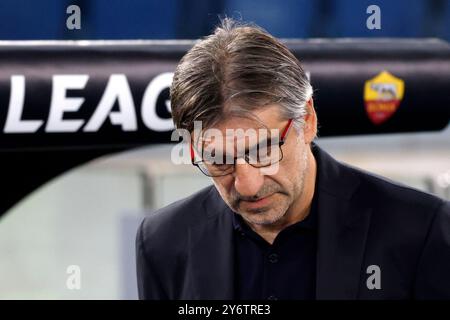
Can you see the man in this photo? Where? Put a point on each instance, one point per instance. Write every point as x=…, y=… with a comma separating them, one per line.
x=311, y=229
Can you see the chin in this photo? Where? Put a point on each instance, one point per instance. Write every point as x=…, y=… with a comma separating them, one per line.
x=263, y=217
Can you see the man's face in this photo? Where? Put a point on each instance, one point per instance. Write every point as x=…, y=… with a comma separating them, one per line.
x=261, y=198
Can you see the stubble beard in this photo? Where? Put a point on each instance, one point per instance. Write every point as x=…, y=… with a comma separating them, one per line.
x=281, y=212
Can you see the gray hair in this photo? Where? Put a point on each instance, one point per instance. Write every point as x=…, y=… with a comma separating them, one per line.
x=237, y=69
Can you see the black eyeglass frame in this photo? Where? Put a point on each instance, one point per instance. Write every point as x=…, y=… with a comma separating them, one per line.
x=246, y=157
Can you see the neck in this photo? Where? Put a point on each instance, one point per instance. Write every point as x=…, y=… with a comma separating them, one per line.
x=299, y=209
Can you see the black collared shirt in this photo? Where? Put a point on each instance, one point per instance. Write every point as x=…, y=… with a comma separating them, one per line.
x=281, y=271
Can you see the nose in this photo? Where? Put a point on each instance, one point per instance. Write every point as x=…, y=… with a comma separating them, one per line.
x=247, y=179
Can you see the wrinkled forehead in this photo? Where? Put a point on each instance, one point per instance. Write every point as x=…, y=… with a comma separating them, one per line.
x=237, y=126
x=245, y=133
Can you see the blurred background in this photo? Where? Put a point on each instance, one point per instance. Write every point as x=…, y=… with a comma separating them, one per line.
x=88, y=216
x=188, y=19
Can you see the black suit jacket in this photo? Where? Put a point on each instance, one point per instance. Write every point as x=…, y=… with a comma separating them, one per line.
x=185, y=250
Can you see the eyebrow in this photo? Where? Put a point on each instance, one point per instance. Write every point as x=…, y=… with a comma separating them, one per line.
x=248, y=148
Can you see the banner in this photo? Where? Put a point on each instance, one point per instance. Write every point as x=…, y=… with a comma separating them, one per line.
x=64, y=103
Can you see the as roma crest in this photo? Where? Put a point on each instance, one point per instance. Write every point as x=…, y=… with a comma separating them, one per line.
x=382, y=96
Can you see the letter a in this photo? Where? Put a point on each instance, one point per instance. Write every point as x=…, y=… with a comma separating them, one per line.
x=374, y=280
x=74, y=20
x=374, y=20
x=74, y=279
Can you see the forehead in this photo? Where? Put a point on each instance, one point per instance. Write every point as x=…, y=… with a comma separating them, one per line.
x=267, y=117
x=259, y=125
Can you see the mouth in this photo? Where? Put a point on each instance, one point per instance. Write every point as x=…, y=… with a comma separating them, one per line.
x=254, y=204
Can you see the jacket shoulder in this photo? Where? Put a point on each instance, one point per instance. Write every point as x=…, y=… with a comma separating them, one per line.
x=173, y=221
x=395, y=202
x=394, y=192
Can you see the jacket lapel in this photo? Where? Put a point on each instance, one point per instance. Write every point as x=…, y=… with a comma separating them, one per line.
x=343, y=228
x=211, y=250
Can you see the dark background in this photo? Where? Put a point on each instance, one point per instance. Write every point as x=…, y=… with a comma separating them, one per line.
x=190, y=19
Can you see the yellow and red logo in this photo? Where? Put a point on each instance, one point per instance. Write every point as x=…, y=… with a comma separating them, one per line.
x=382, y=96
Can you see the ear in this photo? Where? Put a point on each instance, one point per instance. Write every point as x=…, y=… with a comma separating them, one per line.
x=310, y=129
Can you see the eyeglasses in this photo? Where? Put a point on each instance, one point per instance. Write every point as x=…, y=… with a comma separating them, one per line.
x=259, y=156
